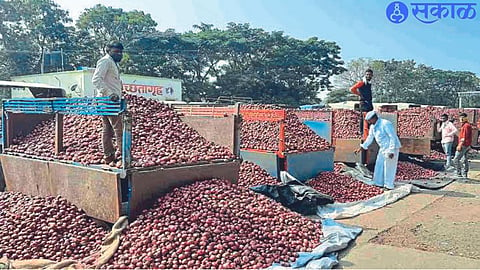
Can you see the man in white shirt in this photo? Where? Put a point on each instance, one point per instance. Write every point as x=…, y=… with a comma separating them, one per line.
x=107, y=83
x=384, y=133
x=448, y=131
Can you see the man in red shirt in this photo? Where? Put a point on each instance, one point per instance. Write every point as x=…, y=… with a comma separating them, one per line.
x=363, y=89
x=464, y=143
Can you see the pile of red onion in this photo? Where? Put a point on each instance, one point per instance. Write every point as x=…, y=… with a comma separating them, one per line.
x=409, y=171
x=260, y=135
x=343, y=188
x=265, y=135
x=215, y=225
x=159, y=138
x=45, y=228
x=435, y=155
x=346, y=124
x=253, y=175
x=300, y=138
x=417, y=122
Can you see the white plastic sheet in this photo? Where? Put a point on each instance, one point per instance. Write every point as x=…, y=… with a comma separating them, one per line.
x=336, y=237
x=352, y=209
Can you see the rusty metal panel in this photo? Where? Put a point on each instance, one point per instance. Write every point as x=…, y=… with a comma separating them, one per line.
x=97, y=192
x=218, y=130
x=151, y=184
x=415, y=146
x=344, y=150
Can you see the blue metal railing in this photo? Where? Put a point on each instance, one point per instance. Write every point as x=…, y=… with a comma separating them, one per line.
x=81, y=106
x=99, y=106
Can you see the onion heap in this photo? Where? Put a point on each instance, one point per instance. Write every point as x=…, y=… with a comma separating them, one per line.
x=435, y=155
x=159, y=138
x=265, y=135
x=253, y=175
x=343, y=188
x=417, y=122
x=346, y=124
x=45, y=228
x=214, y=224
x=409, y=171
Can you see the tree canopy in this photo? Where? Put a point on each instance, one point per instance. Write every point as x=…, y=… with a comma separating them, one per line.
x=237, y=60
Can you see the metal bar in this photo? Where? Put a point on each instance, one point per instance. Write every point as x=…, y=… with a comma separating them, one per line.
x=4, y=125
x=127, y=141
x=9, y=131
x=58, y=133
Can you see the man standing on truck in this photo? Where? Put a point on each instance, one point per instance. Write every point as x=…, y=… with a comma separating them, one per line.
x=384, y=133
x=363, y=89
x=107, y=83
x=464, y=144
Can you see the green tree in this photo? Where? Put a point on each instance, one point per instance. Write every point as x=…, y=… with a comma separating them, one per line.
x=29, y=28
x=340, y=95
x=100, y=25
x=275, y=68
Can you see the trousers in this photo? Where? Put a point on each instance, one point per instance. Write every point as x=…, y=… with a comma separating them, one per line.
x=461, y=161
x=385, y=169
x=112, y=126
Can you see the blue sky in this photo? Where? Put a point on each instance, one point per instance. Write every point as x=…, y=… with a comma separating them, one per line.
x=360, y=27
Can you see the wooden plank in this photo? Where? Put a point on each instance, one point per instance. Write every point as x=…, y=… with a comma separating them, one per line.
x=344, y=150
x=97, y=192
x=415, y=146
x=148, y=185
x=58, y=133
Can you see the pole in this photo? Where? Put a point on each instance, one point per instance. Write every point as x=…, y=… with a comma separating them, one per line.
x=61, y=55
x=42, y=65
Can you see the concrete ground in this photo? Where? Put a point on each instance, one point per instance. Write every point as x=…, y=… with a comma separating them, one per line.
x=430, y=229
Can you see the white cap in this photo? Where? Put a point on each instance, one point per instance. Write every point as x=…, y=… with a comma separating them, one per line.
x=370, y=114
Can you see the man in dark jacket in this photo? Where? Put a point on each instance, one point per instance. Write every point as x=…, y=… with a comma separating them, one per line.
x=363, y=89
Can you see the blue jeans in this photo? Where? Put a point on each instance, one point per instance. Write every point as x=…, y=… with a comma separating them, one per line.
x=447, y=148
x=461, y=158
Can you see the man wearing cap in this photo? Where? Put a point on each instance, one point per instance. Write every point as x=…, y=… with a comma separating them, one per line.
x=464, y=144
x=384, y=133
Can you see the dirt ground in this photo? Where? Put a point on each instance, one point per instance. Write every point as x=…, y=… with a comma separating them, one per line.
x=449, y=225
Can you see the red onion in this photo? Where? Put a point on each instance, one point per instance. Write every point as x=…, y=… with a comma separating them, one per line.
x=214, y=224
x=253, y=175
x=343, y=188
x=409, y=171
x=45, y=228
x=159, y=138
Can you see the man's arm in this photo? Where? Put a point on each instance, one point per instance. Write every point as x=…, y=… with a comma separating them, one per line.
x=354, y=88
x=98, y=78
x=369, y=139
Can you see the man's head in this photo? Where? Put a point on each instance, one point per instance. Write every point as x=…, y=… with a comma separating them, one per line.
x=463, y=117
x=371, y=117
x=444, y=117
x=115, y=50
x=368, y=74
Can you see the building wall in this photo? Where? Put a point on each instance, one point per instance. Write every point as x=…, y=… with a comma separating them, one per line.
x=79, y=84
